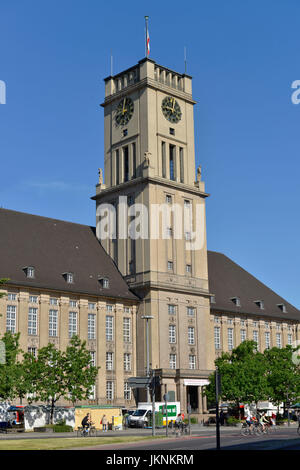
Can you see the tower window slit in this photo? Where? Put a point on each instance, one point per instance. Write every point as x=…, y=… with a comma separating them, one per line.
x=126, y=163
x=172, y=162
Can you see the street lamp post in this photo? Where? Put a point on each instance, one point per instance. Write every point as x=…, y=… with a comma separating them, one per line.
x=147, y=318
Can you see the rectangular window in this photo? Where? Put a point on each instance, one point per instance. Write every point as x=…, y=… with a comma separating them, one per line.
x=32, y=351
x=168, y=199
x=70, y=278
x=267, y=325
x=133, y=160
x=117, y=167
x=109, y=361
x=181, y=165
x=32, y=321
x=163, y=158
x=30, y=272
x=172, y=161
x=172, y=361
x=91, y=306
x=230, y=338
x=289, y=339
x=172, y=309
x=188, y=269
x=192, y=362
x=126, y=330
x=72, y=324
x=93, y=358
x=109, y=390
x=191, y=311
x=73, y=303
x=33, y=299
x=92, y=394
x=267, y=340
x=243, y=335
x=255, y=337
x=191, y=335
x=11, y=296
x=172, y=334
x=11, y=314
x=109, y=328
x=217, y=337
x=127, y=391
x=91, y=326
x=109, y=308
x=170, y=265
x=278, y=340
x=53, y=322
x=53, y=301
x=126, y=163
x=127, y=362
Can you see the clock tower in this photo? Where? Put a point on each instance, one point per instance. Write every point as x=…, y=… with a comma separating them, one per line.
x=149, y=157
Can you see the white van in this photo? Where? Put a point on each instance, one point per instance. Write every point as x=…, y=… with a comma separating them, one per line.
x=140, y=418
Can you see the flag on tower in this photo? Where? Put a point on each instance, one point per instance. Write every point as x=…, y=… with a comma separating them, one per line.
x=147, y=38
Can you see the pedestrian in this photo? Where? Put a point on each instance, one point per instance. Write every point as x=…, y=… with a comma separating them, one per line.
x=104, y=422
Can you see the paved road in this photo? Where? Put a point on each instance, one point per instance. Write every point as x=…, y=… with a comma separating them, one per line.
x=282, y=438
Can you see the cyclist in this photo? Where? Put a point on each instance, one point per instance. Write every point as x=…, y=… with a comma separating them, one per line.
x=86, y=424
x=263, y=421
x=249, y=420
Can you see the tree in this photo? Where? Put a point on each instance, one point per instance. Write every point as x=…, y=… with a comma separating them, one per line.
x=62, y=374
x=8, y=370
x=243, y=375
x=283, y=375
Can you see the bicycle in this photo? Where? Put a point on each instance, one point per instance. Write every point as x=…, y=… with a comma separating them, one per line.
x=248, y=430
x=86, y=431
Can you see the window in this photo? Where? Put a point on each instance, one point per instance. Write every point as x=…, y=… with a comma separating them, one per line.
x=109, y=328
x=109, y=308
x=91, y=306
x=126, y=330
x=278, y=326
x=181, y=161
x=187, y=236
x=282, y=308
x=243, y=335
x=126, y=163
x=11, y=313
x=192, y=361
x=188, y=269
x=33, y=299
x=172, y=361
x=109, y=390
x=91, y=326
x=133, y=160
x=168, y=199
x=172, y=309
x=109, y=361
x=230, y=338
x=172, y=150
x=267, y=325
x=191, y=311
x=255, y=324
x=229, y=321
x=73, y=303
x=127, y=309
x=278, y=340
x=191, y=335
x=243, y=323
x=104, y=282
x=236, y=301
x=11, y=296
x=255, y=337
x=127, y=391
x=172, y=334
x=127, y=362
x=72, y=324
x=217, y=319
x=30, y=271
x=163, y=161
x=53, y=301
x=32, y=321
x=217, y=337
x=92, y=392
x=267, y=340
x=170, y=265
x=53, y=321
x=172, y=131
x=289, y=339
x=260, y=304
x=69, y=278
x=93, y=358
x=32, y=351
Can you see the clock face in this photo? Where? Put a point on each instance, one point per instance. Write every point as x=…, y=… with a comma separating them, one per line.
x=124, y=112
x=171, y=109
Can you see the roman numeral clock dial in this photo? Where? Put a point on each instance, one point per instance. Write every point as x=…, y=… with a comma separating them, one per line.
x=124, y=111
x=171, y=109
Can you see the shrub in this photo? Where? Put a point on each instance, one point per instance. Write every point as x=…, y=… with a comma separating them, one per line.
x=232, y=421
x=62, y=428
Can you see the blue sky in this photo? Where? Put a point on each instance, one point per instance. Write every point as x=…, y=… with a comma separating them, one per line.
x=243, y=57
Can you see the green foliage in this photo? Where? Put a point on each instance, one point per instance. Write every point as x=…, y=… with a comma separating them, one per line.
x=62, y=428
x=232, y=421
x=3, y=281
x=9, y=370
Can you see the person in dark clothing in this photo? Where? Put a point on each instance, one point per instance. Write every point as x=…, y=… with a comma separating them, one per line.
x=86, y=422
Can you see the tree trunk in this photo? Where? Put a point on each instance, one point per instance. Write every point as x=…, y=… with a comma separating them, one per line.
x=52, y=410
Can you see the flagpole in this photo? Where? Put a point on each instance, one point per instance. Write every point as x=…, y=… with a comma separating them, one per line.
x=147, y=35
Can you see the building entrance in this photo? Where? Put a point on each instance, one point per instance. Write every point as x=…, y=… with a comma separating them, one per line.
x=192, y=398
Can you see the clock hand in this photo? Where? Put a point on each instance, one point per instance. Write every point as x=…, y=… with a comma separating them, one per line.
x=173, y=105
x=123, y=106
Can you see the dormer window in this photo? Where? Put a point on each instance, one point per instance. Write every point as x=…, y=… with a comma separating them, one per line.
x=260, y=304
x=104, y=282
x=69, y=277
x=29, y=271
x=213, y=299
x=282, y=308
x=236, y=301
